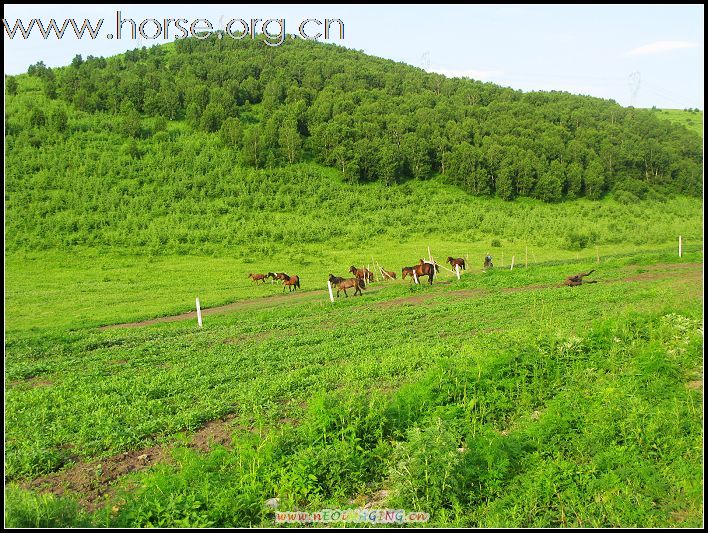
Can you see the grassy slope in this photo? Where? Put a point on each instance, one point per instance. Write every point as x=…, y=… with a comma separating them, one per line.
x=692, y=121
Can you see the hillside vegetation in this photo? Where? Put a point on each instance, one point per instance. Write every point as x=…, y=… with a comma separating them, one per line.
x=198, y=147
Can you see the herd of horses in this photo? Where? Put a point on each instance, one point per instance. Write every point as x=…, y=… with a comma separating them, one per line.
x=362, y=276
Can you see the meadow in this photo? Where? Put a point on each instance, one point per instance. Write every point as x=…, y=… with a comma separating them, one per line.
x=501, y=399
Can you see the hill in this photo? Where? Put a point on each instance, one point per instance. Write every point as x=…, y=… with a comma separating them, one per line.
x=691, y=119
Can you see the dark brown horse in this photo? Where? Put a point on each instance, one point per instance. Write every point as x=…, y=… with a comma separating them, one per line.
x=362, y=273
x=257, y=277
x=293, y=282
x=344, y=284
x=574, y=281
x=421, y=269
x=458, y=261
x=281, y=276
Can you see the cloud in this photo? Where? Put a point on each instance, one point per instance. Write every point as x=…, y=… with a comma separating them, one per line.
x=660, y=47
x=470, y=73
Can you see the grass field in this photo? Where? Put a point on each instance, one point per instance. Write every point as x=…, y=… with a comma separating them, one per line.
x=692, y=121
x=501, y=399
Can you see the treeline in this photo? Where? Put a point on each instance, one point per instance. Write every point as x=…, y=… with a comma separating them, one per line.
x=374, y=119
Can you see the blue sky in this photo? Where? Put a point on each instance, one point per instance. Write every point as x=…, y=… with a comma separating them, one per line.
x=637, y=55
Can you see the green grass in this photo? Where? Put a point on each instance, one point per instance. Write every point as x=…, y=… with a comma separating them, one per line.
x=692, y=121
x=570, y=405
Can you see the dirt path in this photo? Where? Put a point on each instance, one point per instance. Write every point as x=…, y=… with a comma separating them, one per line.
x=258, y=303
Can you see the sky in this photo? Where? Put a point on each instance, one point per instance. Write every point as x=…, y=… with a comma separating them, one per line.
x=645, y=56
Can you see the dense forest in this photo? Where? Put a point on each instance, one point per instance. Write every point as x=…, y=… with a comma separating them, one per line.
x=228, y=127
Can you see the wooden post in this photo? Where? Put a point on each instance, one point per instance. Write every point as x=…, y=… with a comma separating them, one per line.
x=512, y=262
x=199, y=313
x=430, y=257
x=364, y=272
x=502, y=260
x=597, y=255
x=526, y=265
x=331, y=296
x=680, y=247
x=457, y=270
x=376, y=276
x=367, y=271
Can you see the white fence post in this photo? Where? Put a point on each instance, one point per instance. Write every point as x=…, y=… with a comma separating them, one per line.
x=415, y=277
x=331, y=296
x=457, y=270
x=199, y=313
x=512, y=262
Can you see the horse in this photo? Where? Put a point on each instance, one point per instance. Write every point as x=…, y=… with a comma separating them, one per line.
x=488, y=262
x=257, y=277
x=363, y=273
x=344, y=284
x=458, y=261
x=421, y=269
x=281, y=276
x=574, y=281
x=293, y=282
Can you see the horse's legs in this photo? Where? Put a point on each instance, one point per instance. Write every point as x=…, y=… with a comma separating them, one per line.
x=345, y=292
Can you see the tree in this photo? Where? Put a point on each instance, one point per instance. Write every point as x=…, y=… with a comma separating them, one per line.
x=290, y=141
x=594, y=180
x=11, y=85
x=131, y=125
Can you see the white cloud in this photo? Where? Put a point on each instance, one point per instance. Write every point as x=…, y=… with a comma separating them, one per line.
x=659, y=47
x=470, y=73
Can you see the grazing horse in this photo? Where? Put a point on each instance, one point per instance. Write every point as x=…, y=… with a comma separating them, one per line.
x=363, y=273
x=421, y=269
x=257, y=277
x=458, y=261
x=344, y=284
x=574, y=281
x=293, y=282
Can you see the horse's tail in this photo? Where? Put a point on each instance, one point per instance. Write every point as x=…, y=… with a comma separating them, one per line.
x=297, y=283
x=360, y=283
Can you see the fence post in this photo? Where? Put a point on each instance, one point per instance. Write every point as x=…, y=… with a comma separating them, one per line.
x=512, y=262
x=597, y=255
x=415, y=277
x=331, y=296
x=526, y=265
x=457, y=270
x=199, y=313
x=680, y=247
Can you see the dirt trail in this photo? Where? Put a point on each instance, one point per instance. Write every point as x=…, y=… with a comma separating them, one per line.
x=92, y=480
x=258, y=303
x=643, y=272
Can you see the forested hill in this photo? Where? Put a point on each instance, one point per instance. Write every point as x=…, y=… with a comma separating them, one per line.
x=370, y=118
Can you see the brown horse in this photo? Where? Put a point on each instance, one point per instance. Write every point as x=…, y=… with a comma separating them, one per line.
x=282, y=276
x=421, y=269
x=257, y=277
x=574, y=281
x=458, y=261
x=293, y=282
x=344, y=284
x=362, y=273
